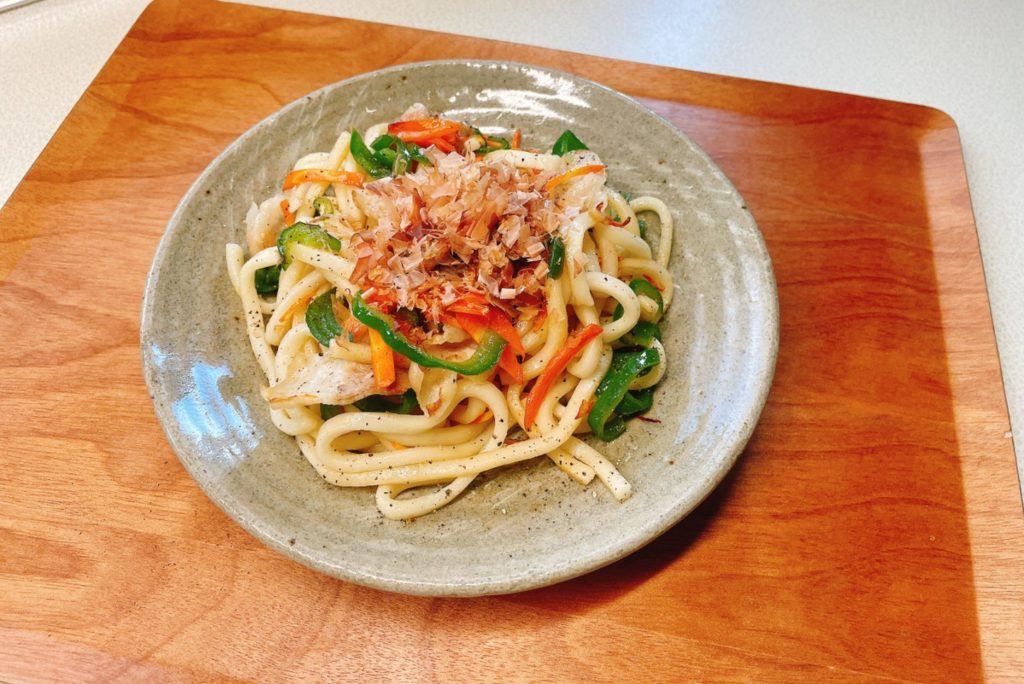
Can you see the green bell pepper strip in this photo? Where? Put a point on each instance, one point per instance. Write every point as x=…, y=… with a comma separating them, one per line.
x=556, y=256
x=267, y=279
x=503, y=144
x=567, y=142
x=642, y=227
x=376, y=403
x=626, y=367
x=389, y=147
x=484, y=358
x=384, y=142
x=645, y=288
x=323, y=206
x=320, y=318
x=635, y=403
x=365, y=157
x=643, y=334
x=328, y=411
x=304, y=234
x=380, y=403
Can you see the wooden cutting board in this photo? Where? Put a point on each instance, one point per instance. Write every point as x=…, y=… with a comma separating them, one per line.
x=872, y=530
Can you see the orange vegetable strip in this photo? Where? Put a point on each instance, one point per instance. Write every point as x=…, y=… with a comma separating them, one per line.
x=318, y=176
x=422, y=137
x=517, y=138
x=423, y=129
x=500, y=324
x=573, y=173
x=510, y=364
x=382, y=358
x=289, y=217
x=440, y=143
x=554, y=369
x=432, y=123
x=474, y=325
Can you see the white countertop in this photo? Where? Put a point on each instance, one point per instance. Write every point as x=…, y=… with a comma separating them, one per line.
x=963, y=58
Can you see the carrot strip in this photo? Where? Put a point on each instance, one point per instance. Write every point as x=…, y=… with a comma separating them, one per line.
x=573, y=173
x=289, y=217
x=382, y=358
x=442, y=144
x=517, y=138
x=430, y=123
x=422, y=130
x=475, y=326
x=554, y=369
x=510, y=364
x=319, y=176
x=500, y=324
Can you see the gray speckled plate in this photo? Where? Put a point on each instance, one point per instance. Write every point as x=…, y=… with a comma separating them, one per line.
x=525, y=526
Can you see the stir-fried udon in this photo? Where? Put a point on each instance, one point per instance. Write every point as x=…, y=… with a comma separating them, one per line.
x=429, y=301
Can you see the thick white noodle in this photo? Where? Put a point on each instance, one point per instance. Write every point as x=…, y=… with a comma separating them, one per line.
x=654, y=204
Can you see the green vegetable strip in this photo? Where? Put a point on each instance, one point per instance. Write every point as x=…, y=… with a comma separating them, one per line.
x=645, y=288
x=503, y=144
x=305, y=234
x=567, y=142
x=328, y=411
x=626, y=367
x=365, y=157
x=556, y=256
x=408, y=404
x=267, y=279
x=323, y=325
x=643, y=334
x=484, y=358
x=635, y=403
x=382, y=403
x=389, y=147
x=383, y=142
x=642, y=227
x=377, y=403
x=323, y=206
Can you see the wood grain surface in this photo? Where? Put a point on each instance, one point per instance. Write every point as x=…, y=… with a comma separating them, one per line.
x=872, y=531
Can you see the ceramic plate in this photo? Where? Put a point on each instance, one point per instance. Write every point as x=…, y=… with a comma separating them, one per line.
x=515, y=529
